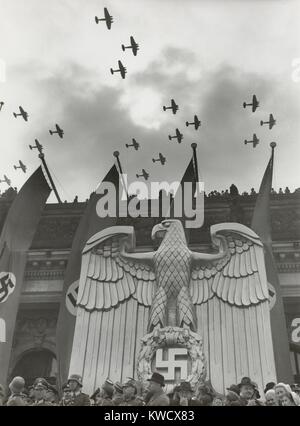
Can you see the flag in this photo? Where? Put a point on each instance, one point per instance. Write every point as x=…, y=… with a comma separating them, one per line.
x=192, y=196
x=261, y=224
x=15, y=240
x=90, y=223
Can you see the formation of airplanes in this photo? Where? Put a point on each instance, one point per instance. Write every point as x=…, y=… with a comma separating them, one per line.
x=254, y=141
x=144, y=175
x=271, y=122
x=21, y=166
x=58, y=130
x=135, y=145
x=107, y=18
x=178, y=136
x=161, y=159
x=22, y=114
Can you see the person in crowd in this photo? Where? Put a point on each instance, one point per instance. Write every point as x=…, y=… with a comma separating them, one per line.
x=248, y=392
x=271, y=400
x=17, y=397
x=290, y=400
x=40, y=388
x=296, y=388
x=66, y=400
x=103, y=396
x=282, y=389
x=118, y=397
x=96, y=398
x=78, y=397
x=183, y=395
x=270, y=385
x=158, y=397
x=52, y=395
x=130, y=393
x=205, y=394
x=232, y=398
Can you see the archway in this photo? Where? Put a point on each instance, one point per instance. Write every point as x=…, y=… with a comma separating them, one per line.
x=36, y=363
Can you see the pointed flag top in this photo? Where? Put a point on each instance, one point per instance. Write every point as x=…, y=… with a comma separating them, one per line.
x=261, y=222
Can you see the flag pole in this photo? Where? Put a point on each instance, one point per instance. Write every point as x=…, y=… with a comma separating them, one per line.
x=42, y=157
x=117, y=156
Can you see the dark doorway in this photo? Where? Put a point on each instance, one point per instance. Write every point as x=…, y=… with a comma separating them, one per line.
x=34, y=364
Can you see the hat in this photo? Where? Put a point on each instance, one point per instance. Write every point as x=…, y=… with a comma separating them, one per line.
x=130, y=383
x=75, y=378
x=157, y=378
x=108, y=387
x=41, y=383
x=17, y=385
x=185, y=387
x=269, y=386
x=286, y=387
x=234, y=388
x=118, y=387
x=53, y=389
x=246, y=381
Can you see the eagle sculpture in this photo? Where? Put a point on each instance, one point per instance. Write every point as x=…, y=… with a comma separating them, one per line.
x=125, y=294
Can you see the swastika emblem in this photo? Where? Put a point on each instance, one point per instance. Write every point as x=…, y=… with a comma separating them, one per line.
x=7, y=285
x=71, y=297
x=173, y=364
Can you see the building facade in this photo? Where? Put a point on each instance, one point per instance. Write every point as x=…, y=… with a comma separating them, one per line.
x=34, y=346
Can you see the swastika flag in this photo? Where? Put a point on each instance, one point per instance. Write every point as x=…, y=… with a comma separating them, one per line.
x=15, y=240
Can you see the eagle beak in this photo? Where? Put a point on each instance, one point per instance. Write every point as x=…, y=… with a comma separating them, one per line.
x=157, y=231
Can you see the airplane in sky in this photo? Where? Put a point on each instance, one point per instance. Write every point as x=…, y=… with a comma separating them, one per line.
x=58, y=130
x=133, y=46
x=122, y=70
x=6, y=180
x=254, y=104
x=37, y=146
x=144, y=175
x=21, y=166
x=178, y=136
x=174, y=107
x=255, y=141
x=271, y=122
x=22, y=113
x=1, y=105
x=161, y=159
x=135, y=144
x=107, y=18
x=196, y=123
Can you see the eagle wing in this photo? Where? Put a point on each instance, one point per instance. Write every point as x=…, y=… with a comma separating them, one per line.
x=230, y=294
x=239, y=276
x=108, y=278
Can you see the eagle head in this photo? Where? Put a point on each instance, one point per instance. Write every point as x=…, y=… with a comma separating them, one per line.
x=160, y=230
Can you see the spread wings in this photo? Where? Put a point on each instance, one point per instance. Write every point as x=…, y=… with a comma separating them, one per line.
x=238, y=277
x=108, y=278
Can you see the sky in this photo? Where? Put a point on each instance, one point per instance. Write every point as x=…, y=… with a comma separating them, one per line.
x=210, y=56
